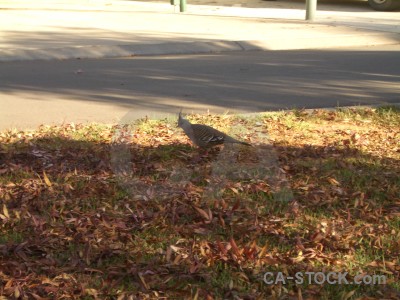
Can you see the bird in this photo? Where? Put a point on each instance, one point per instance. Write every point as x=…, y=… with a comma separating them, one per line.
x=204, y=136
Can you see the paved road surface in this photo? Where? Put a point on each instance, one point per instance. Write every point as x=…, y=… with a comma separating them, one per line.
x=35, y=92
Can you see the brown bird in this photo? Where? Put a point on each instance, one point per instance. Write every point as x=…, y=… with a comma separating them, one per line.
x=205, y=136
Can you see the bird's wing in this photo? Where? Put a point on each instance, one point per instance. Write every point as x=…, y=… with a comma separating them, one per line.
x=208, y=135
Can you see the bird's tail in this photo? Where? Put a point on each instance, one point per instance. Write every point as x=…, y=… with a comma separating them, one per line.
x=244, y=143
x=235, y=141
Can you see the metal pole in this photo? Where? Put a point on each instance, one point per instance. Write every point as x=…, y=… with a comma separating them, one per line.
x=174, y=3
x=311, y=8
x=183, y=6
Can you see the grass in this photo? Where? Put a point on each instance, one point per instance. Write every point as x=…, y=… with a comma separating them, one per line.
x=136, y=212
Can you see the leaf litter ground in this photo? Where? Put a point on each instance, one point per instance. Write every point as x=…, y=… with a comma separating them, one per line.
x=134, y=212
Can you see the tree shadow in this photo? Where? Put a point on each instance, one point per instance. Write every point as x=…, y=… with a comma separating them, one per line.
x=62, y=159
x=97, y=211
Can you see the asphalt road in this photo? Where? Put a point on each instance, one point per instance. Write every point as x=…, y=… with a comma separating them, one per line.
x=106, y=90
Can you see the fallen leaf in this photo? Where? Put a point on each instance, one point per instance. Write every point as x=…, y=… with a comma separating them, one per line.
x=348, y=295
x=5, y=211
x=46, y=179
x=204, y=214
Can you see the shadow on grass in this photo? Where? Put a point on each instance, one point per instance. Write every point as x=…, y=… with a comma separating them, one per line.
x=70, y=227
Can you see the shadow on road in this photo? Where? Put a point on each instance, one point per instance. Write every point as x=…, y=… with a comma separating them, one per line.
x=242, y=81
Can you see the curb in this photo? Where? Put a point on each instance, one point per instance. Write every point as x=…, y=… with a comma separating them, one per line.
x=292, y=38
x=196, y=47
x=108, y=51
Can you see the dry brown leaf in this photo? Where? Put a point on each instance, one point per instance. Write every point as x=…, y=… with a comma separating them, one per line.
x=234, y=190
x=143, y=281
x=5, y=211
x=234, y=247
x=204, y=214
x=348, y=295
x=333, y=181
x=46, y=179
